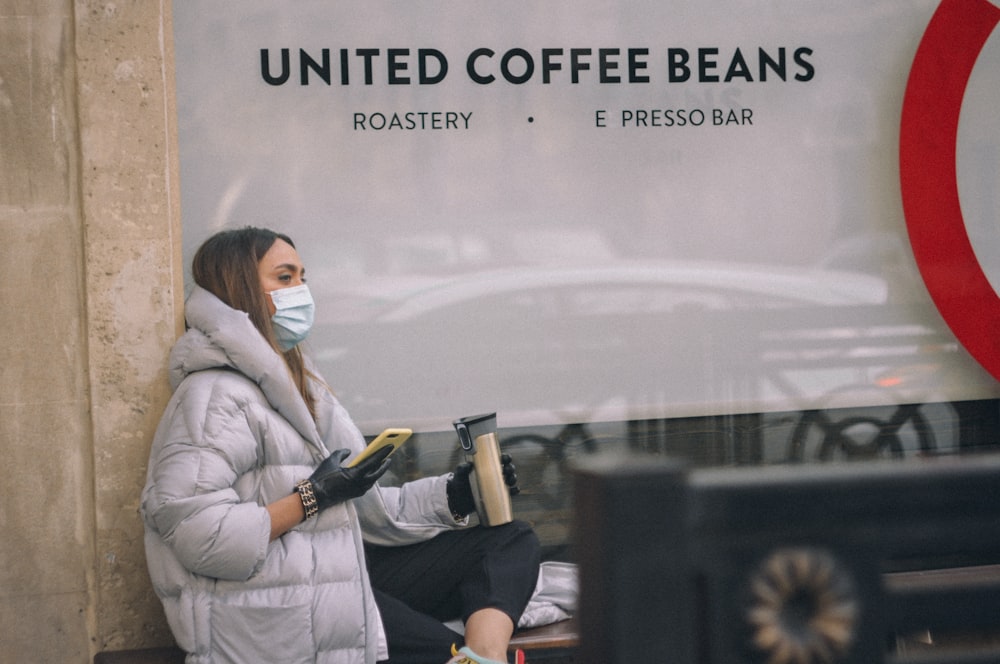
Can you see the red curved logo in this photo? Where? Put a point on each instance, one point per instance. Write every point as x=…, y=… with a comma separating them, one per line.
x=928, y=139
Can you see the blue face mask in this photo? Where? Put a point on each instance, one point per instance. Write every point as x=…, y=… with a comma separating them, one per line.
x=294, y=311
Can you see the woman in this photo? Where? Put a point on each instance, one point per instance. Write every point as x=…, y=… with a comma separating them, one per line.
x=262, y=546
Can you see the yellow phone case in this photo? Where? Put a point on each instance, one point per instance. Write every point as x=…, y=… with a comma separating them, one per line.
x=393, y=437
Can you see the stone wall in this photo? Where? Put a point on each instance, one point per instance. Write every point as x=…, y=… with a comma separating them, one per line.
x=90, y=285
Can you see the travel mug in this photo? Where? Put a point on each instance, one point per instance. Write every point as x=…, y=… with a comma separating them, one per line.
x=478, y=436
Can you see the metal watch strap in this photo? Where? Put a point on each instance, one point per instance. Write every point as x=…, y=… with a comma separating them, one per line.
x=308, y=498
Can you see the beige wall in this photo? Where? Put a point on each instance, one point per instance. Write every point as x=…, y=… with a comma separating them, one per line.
x=90, y=285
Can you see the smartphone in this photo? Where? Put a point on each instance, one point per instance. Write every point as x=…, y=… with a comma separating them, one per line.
x=391, y=437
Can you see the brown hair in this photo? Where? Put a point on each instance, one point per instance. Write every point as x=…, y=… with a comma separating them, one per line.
x=226, y=266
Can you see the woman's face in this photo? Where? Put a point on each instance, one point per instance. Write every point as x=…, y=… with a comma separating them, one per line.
x=280, y=268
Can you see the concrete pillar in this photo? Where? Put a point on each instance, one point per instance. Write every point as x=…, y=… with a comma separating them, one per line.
x=90, y=289
x=130, y=205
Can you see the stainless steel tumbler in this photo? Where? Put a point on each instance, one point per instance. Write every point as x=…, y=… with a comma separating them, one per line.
x=478, y=435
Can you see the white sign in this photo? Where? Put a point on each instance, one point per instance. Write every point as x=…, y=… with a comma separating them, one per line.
x=576, y=211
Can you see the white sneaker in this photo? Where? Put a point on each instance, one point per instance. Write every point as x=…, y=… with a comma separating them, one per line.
x=466, y=656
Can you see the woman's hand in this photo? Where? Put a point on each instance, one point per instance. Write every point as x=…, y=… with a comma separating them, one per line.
x=460, y=499
x=509, y=474
x=333, y=483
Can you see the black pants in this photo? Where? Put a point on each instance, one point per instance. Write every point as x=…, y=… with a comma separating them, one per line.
x=450, y=576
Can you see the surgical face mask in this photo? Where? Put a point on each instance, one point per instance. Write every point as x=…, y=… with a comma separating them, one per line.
x=294, y=311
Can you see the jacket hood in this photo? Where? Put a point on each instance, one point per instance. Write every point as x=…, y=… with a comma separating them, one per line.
x=220, y=337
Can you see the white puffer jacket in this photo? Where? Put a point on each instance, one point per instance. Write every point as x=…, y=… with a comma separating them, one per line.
x=236, y=436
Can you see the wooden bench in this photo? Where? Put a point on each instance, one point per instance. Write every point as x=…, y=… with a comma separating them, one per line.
x=553, y=643
x=556, y=642
x=165, y=655
x=788, y=564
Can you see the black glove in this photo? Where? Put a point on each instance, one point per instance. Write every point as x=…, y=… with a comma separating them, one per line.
x=509, y=474
x=332, y=483
x=460, y=499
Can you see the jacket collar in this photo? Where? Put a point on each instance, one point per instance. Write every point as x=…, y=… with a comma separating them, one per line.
x=219, y=336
